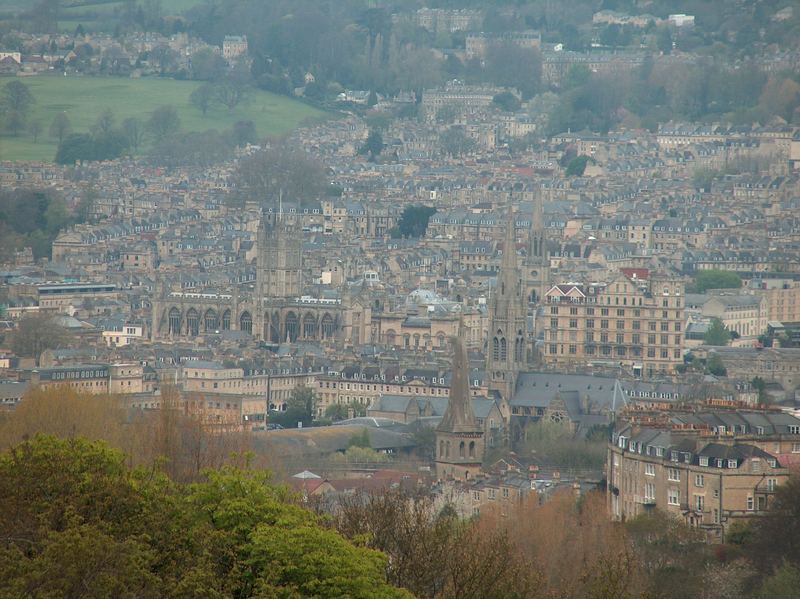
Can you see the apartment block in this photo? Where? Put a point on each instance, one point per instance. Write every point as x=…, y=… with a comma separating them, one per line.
x=635, y=320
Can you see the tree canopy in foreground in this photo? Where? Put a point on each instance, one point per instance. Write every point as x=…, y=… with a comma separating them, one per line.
x=77, y=522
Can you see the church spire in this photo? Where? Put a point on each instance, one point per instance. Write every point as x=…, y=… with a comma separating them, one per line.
x=458, y=417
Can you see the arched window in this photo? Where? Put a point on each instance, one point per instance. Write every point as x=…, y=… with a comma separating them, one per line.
x=175, y=321
x=447, y=449
x=275, y=328
x=503, y=349
x=519, y=348
x=461, y=449
x=495, y=348
x=472, y=449
x=193, y=322
x=328, y=326
x=441, y=449
x=246, y=323
x=309, y=326
x=226, y=320
x=292, y=326
x=210, y=320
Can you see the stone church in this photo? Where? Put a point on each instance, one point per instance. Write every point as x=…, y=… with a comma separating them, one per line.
x=275, y=310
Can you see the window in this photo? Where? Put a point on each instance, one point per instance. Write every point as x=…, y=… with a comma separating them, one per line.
x=649, y=491
x=674, y=474
x=590, y=323
x=795, y=447
x=674, y=497
x=650, y=469
x=637, y=325
x=620, y=311
x=620, y=324
x=794, y=429
x=573, y=323
x=699, y=480
x=573, y=311
x=505, y=491
x=771, y=484
x=603, y=311
x=635, y=339
x=703, y=461
x=699, y=502
x=603, y=324
x=750, y=504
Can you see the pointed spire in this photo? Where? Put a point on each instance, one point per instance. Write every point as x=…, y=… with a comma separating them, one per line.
x=509, y=262
x=459, y=417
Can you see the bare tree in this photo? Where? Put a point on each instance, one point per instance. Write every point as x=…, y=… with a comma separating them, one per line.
x=281, y=170
x=36, y=333
x=60, y=127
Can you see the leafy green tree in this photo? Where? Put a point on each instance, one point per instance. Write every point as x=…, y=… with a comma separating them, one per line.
x=360, y=439
x=715, y=366
x=783, y=584
x=15, y=105
x=577, y=166
x=717, y=334
x=77, y=522
x=301, y=407
x=506, y=101
x=374, y=144
x=414, y=221
x=714, y=279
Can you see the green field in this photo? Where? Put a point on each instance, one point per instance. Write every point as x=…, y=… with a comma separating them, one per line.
x=84, y=98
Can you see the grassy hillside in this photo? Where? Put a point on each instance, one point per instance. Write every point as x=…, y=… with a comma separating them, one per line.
x=84, y=98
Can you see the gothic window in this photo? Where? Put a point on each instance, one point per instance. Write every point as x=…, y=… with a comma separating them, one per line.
x=519, y=348
x=447, y=449
x=472, y=449
x=292, y=326
x=193, y=322
x=495, y=348
x=174, y=321
x=226, y=320
x=246, y=323
x=210, y=320
x=309, y=326
x=441, y=449
x=461, y=450
x=328, y=326
x=275, y=328
x=557, y=417
x=503, y=349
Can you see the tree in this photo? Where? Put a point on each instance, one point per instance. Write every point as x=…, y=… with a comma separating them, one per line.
x=717, y=334
x=137, y=533
x=104, y=123
x=577, y=166
x=207, y=65
x=133, y=129
x=281, y=170
x=202, y=97
x=510, y=65
x=774, y=536
x=414, y=221
x=164, y=122
x=15, y=104
x=372, y=99
x=664, y=40
x=374, y=144
x=456, y=142
x=60, y=127
x=243, y=133
x=301, y=407
x=506, y=101
x=229, y=93
x=35, y=129
x=715, y=366
x=36, y=333
x=714, y=279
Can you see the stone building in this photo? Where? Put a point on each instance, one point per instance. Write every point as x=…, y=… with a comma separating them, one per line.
x=459, y=438
x=635, y=320
x=710, y=469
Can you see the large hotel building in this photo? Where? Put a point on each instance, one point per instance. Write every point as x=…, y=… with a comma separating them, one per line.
x=634, y=321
